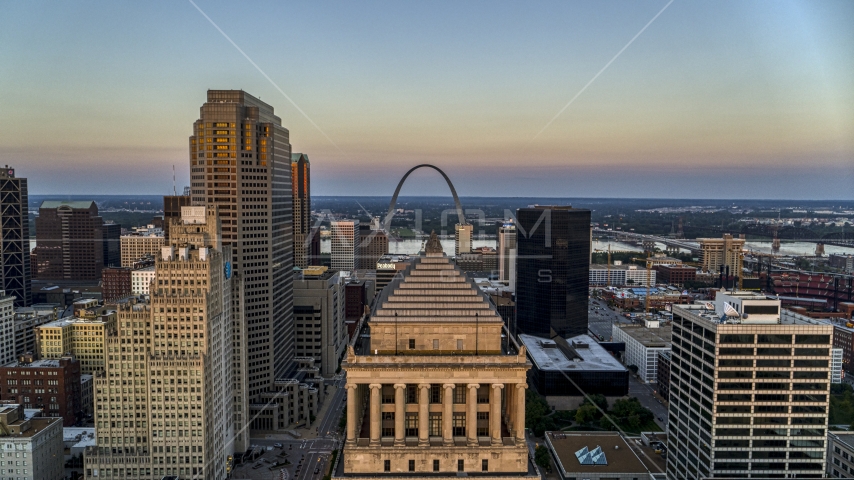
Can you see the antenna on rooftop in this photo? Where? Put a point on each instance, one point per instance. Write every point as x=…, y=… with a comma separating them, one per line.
x=174, y=188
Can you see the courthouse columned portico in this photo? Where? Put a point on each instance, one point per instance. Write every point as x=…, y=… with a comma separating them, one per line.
x=433, y=391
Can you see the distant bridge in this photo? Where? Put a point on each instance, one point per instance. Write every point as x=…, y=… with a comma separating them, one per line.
x=693, y=247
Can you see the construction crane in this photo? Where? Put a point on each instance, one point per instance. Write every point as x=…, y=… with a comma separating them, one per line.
x=608, y=266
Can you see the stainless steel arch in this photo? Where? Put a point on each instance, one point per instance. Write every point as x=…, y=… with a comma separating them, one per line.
x=390, y=214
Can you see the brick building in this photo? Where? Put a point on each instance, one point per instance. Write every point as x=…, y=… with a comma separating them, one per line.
x=676, y=274
x=70, y=241
x=52, y=385
x=116, y=283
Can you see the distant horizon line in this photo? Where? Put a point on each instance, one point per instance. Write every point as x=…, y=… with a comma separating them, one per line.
x=68, y=195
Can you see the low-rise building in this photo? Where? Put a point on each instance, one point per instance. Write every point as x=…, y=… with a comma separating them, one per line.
x=840, y=454
x=620, y=275
x=34, y=442
x=566, y=369
x=115, y=283
x=26, y=323
x=141, y=243
x=52, y=385
x=140, y=280
x=604, y=456
x=676, y=274
x=643, y=342
x=83, y=338
x=389, y=267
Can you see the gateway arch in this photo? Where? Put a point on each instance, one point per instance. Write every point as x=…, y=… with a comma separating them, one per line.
x=390, y=214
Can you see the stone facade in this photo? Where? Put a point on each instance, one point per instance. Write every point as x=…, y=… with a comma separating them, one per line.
x=434, y=392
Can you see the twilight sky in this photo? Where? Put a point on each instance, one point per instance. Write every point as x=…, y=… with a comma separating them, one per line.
x=735, y=99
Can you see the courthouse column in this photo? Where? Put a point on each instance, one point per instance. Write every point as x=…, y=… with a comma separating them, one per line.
x=495, y=412
x=423, y=412
x=471, y=414
x=448, y=414
x=520, y=411
x=352, y=390
x=376, y=388
x=399, y=412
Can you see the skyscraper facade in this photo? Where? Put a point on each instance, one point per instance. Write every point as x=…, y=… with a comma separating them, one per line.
x=507, y=253
x=112, y=233
x=301, y=188
x=462, y=238
x=15, y=234
x=345, y=244
x=240, y=161
x=373, y=244
x=553, y=248
x=70, y=241
x=179, y=348
x=749, y=390
x=172, y=209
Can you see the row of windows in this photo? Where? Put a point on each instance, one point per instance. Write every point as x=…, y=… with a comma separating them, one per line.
x=484, y=465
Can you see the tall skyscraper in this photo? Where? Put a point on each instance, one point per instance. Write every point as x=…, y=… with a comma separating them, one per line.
x=240, y=161
x=749, y=388
x=507, y=254
x=553, y=245
x=184, y=337
x=462, y=238
x=70, y=241
x=15, y=235
x=301, y=187
x=345, y=244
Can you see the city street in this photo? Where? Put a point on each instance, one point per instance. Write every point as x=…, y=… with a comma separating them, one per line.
x=600, y=318
x=644, y=393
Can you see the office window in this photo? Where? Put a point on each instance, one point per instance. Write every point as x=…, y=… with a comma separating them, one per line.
x=461, y=465
x=459, y=424
x=411, y=425
x=386, y=465
x=482, y=424
x=436, y=424
x=412, y=344
x=435, y=344
x=460, y=394
x=459, y=344
x=484, y=465
x=412, y=465
x=435, y=393
x=435, y=465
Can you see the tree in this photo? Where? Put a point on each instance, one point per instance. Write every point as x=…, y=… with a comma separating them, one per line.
x=586, y=414
x=598, y=400
x=630, y=282
x=633, y=369
x=542, y=457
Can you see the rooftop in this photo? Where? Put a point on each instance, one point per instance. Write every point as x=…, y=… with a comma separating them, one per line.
x=844, y=437
x=619, y=457
x=587, y=354
x=648, y=337
x=43, y=363
x=67, y=203
x=65, y=322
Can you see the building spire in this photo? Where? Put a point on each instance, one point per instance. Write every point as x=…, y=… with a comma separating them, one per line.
x=434, y=247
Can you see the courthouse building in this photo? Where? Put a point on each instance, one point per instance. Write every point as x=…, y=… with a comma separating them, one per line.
x=433, y=392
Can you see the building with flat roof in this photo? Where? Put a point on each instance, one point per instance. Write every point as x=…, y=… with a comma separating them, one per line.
x=462, y=238
x=141, y=243
x=83, y=338
x=70, y=241
x=643, y=343
x=301, y=197
x=319, y=317
x=52, y=385
x=344, y=244
x=749, y=394
x=389, y=267
x=676, y=274
x=552, y=263
x=603, y=456
x=619, y=275
x=373, y=244
x=573, y=367
x=26, y=323
x=7, y=328
x=115, y=283
x=140, y=280
x=507, y=254
x=662, y=384
x=726, y=251
x=35, y=442
x=840, y=454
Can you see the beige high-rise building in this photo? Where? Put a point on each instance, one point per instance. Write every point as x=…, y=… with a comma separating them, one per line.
x=462, y=238
x=240, y=161
x=319, y=317
x=726, y=251
x=507, y=254
x=163, y=406
x=301, y=188
x=85, y=338
x=373, y=244
x=433, y=392
x=35, y=444
x=137, y=246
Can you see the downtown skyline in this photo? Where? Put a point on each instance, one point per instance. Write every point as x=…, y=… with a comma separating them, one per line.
x=728, y=100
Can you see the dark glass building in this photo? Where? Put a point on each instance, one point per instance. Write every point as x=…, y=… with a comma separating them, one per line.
x=14, y=238
x=552, y=270
x=112, y=245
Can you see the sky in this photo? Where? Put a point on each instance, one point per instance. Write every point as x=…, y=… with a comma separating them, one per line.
x=726, y=99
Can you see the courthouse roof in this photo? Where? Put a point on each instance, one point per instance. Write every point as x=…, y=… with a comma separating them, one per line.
x=432, y=289
x=85, y=204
